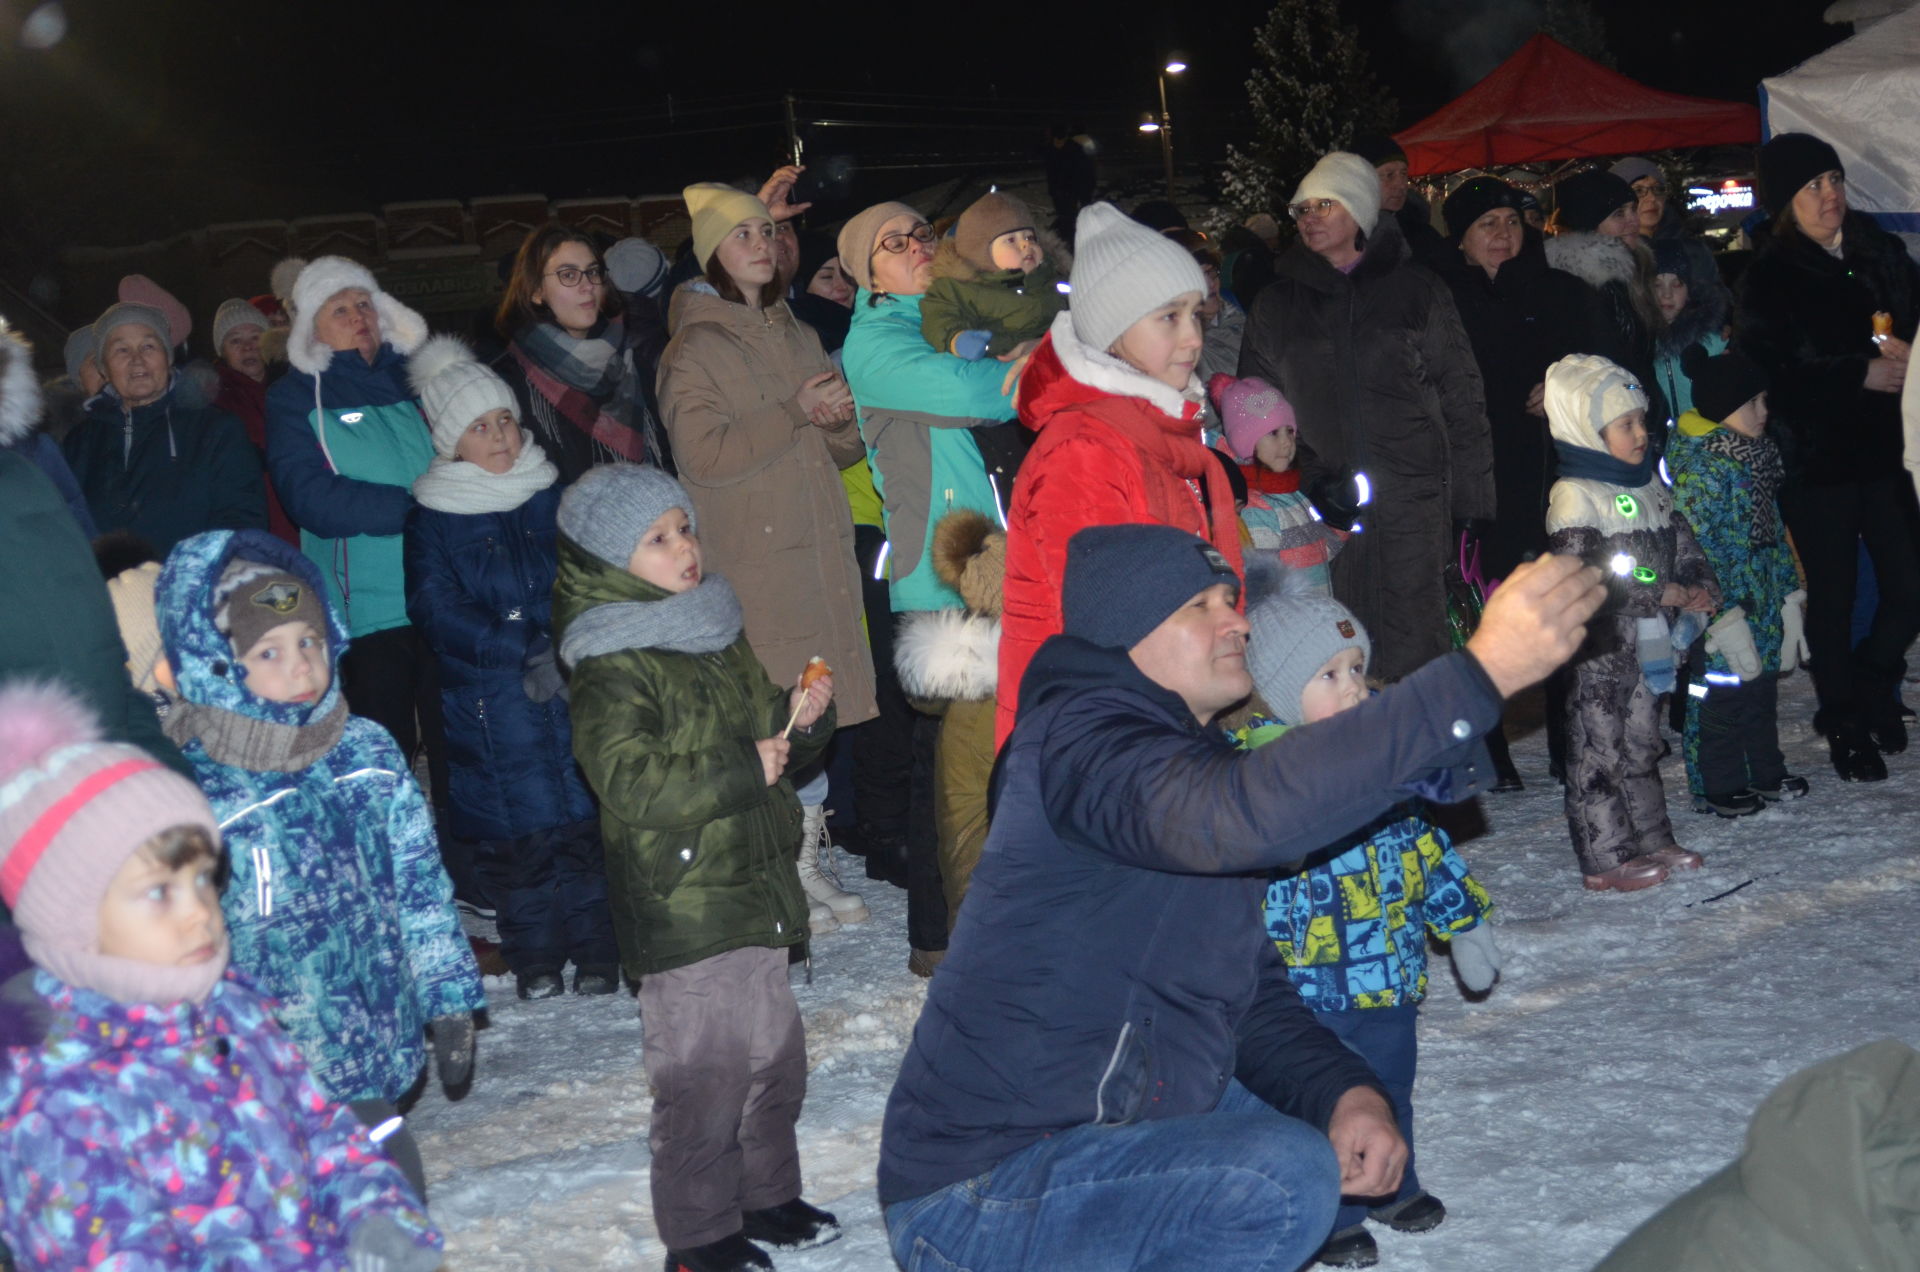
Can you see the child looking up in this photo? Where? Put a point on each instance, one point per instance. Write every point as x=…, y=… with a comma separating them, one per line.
x=1612, y=511
x=166, y=1121
x=1352, y=928
x=339, y=907
x=996, y=281
x=1726, y=474
x=685, y=740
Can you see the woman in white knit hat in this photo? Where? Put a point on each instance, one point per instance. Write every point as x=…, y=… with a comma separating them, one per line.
x=1394, y=441
x=481, y=558
x=1113, y=394
x=761, y=425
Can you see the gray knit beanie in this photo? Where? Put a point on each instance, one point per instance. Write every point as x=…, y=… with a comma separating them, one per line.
x=610, y=507
x=1293, y=636
x=1123, y=271
x=1122, y=581
x=232, y=315
x=121, y=315
x=81, y=345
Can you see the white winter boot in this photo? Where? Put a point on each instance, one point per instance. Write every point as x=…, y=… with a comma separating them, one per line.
x=816, y=874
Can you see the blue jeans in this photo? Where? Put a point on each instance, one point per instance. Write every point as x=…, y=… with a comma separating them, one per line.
x=1384, y=1038
x=1243, y=1187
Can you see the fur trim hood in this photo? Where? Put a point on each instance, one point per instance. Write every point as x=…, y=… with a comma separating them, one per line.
x=19, y=390
x=1594, y=259
x=948, y=654
x=970, y=556
x=948, y=263
x=1105, y=374
x=322, y=279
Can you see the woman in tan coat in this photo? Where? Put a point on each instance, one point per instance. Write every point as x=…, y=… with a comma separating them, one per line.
x=761, y=426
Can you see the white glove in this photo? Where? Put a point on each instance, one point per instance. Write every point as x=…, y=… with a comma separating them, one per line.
x=1793, y=622
x=1731, y=638
x=1476, y=956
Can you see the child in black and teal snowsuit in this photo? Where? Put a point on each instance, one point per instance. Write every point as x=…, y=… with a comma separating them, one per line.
x=1726, y=476
x=1352, y=925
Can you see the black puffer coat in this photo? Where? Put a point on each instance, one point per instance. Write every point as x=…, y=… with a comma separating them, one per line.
x=1382, y=380
x=1520, y=322
x=1808, y=319
x=1609, y=266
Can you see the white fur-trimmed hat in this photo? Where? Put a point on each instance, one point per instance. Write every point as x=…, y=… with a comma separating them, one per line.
x=1348, y=180
x=320, y=281
x=1123, y=271
x=455, y=389
x=19, y=388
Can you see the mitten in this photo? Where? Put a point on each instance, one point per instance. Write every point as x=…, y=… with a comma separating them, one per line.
x=1338, y=497
x=1654, y=644
x=1732, y=639
x=381, y=1245
x=540, y=672
x=453, y=1050
x=972, y=345
x=1793, y=621
x=1476, y=956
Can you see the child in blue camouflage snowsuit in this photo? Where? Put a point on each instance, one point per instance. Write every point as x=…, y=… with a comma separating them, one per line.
x=1352, y=924
x=1726, y=476
x=157, y=1118
x=339, y=907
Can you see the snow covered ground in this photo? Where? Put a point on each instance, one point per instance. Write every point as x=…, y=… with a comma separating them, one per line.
x=1614, y=1065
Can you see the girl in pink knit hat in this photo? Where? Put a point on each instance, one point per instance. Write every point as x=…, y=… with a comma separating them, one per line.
x=1259, y=431
x=165, y=1120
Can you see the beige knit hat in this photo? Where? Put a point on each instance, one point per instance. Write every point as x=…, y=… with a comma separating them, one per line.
x=986, y=219
x=715, y=210
x=1348, y=180
x=860, y=236
x=233, y=314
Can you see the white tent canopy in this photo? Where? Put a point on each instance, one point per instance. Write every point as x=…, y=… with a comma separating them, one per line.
x=1862, y=96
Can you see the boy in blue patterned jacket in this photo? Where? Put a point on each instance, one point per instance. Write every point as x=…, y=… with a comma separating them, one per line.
x=164, y=1120
x=339, y=907
x=1726, y=479
x=1350, y=923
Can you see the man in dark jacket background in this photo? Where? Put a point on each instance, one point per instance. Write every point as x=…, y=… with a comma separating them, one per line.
x=1109, y=985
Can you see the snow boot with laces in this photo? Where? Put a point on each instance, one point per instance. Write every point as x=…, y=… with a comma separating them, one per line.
x=817, y=877
x=728, y=1254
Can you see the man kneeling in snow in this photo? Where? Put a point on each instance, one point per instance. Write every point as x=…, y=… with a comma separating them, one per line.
x=1110, y=990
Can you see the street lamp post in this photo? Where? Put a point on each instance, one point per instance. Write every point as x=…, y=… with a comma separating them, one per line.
x=1163, y=123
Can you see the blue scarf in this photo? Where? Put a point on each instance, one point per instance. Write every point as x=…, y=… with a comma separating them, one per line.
x=1580, y=461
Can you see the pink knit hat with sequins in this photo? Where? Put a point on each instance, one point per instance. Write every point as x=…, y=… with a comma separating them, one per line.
x=1249, y=409
x=73, y=808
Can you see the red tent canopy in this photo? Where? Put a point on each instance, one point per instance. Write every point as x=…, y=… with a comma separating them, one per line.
x=1548, y=102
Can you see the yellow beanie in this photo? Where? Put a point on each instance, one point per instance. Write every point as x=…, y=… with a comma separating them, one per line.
x=715, y=210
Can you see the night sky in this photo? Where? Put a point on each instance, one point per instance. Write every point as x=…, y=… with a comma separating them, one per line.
x=147, y=119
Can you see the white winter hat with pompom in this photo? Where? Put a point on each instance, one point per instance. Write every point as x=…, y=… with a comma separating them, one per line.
x=455, y=389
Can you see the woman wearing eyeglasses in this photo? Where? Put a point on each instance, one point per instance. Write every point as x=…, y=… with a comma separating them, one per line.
x=917, y=406
x=1393, y=439
x=580, y=367
x=1828, y=307
x=762, y=425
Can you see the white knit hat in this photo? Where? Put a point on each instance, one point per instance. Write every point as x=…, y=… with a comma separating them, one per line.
x=321, y=280
x=455, y=389
x=1348, y=180
x=1123, y=271
x=231, y=314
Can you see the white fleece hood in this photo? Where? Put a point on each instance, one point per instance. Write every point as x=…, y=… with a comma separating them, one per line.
x=1585, y=393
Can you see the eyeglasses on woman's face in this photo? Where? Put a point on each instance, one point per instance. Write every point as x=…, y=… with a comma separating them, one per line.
x=570, y=275
x=898, y=242
x=1311, y=207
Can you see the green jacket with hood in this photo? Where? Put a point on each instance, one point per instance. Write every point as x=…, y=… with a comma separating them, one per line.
x=700, y=850
x=1014, y=305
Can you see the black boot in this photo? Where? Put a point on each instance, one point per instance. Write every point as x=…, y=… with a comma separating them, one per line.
x=1422, y=1212
x=1855, y=757
x=793, y=1225
x=596, y=978
x=728, y=1254
x=887, y=860
x=1349, y=1248
x=539, y=983
x=1505, y=776
x=1888, y=732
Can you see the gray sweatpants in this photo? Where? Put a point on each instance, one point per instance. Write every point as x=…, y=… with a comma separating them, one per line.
x=1616, y=806
x=726, y=1061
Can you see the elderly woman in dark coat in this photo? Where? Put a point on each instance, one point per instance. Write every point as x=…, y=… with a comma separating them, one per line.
x=1369, y=350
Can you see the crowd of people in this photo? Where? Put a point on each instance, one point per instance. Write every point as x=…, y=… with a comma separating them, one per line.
x=1071, y=586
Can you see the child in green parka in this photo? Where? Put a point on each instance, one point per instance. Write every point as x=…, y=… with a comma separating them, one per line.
x=686, y=742
x=998, y=281
x=1726, y=478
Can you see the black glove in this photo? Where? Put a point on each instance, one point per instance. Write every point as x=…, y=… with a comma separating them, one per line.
x=540, y=672
x=453, y=1051
x=1339, y=497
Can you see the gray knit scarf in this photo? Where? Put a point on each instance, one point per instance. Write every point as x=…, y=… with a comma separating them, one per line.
x=259, y=746
x=704, y=620
x=1761, y=458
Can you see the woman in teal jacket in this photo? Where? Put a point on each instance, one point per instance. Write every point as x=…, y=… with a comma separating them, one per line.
x=345, y=442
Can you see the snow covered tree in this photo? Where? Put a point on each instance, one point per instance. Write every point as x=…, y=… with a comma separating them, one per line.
x=1311, y=90
x=1575, y=24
